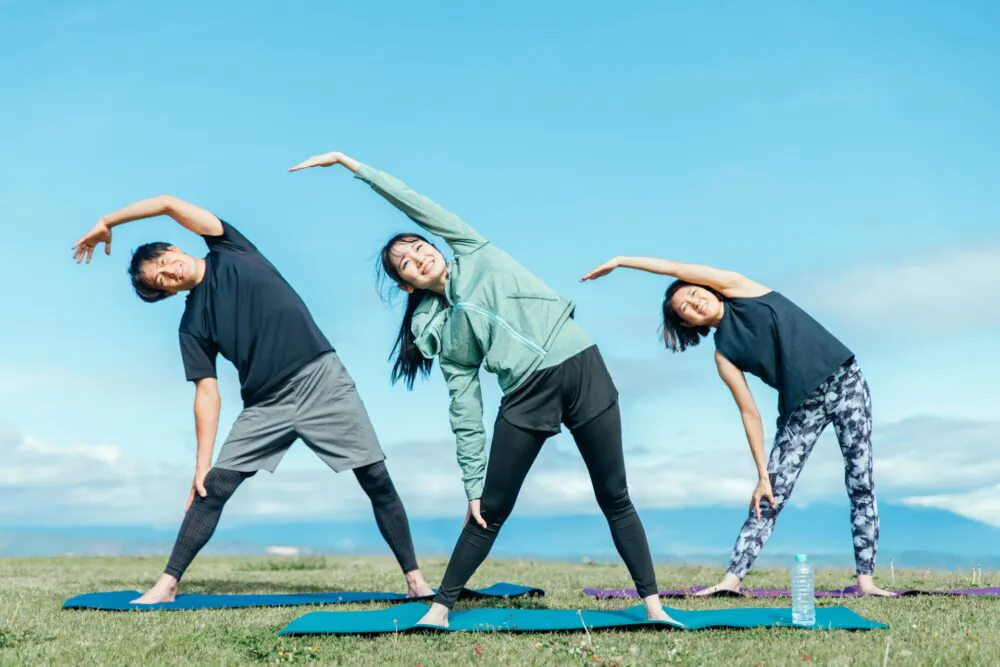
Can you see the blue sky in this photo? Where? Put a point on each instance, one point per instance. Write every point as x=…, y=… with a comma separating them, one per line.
x=843, y=153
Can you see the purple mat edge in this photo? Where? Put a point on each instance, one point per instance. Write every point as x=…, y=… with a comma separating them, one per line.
x=847, y=592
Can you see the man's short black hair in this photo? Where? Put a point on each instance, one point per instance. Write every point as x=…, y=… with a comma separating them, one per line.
x=148, y=252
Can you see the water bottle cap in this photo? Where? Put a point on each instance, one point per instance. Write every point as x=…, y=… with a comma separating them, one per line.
x=800, y=558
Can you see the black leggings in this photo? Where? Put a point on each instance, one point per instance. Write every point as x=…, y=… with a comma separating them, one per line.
x=220, y=484
x=513, y=452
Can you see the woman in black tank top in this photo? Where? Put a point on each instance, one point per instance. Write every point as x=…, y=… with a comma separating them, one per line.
x=759, y=331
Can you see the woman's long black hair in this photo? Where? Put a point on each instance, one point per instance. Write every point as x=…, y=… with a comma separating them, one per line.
x=677, y=334
x=409, y=360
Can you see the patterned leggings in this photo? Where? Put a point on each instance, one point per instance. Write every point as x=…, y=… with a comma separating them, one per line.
x=844, y=400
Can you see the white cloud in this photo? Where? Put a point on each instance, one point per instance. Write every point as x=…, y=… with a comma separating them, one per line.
x=983, y=504
x=927, y=461
x=928, y=291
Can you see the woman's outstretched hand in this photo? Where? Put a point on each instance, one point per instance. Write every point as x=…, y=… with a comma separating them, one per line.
x=327, y=160
x=602, y=270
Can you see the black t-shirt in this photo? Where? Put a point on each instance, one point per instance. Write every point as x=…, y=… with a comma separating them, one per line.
x=246, y=311
x=772, y=338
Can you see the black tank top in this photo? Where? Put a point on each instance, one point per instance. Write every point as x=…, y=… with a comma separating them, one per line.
x=772, y=338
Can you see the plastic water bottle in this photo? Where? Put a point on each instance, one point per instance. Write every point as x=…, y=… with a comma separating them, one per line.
x=803, y=593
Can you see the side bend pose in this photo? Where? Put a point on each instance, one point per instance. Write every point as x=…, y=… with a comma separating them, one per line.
x=293, y=384
x=759, y=331
x=484, y=310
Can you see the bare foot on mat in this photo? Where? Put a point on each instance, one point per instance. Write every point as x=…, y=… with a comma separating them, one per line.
x=729, y=583
x=655, y=612
x=866, y=586
x=416, y=587
x=437, y=616
x=165, y=590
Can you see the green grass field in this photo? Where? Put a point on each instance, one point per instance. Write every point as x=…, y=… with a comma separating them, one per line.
x=34, y=630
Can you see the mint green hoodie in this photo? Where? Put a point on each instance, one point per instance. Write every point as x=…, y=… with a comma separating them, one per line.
x=494, y=314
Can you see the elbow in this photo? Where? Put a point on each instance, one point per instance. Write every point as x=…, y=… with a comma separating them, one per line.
x=734, y=280
x=206, y=389
x=750, y=415
x=165, y=204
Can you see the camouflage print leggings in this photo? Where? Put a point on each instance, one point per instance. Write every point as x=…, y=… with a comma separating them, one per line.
x=845, y=401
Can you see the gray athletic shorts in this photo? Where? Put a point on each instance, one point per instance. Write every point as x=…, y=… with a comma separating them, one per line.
x=318, y=404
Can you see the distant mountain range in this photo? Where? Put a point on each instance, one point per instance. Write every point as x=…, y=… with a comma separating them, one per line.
x=910, y=537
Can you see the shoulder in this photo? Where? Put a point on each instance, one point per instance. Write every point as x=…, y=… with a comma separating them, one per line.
x=231, y=240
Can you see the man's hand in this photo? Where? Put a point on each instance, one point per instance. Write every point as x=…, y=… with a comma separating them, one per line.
x=473, y=512
x=327, y=160
x=197, y=486
x=84, y=248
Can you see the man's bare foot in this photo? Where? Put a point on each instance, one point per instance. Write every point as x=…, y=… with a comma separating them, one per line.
x=654, y=611
x=729, y=583
x=165, y=590
x=437, y=616
x=416, y=587
x=866, y=586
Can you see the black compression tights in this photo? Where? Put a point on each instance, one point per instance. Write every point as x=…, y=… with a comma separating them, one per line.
x=513, y=452
x=220, y=484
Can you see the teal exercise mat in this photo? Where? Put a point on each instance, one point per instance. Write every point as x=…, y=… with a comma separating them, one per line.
x=122, y=600
x=404, y=618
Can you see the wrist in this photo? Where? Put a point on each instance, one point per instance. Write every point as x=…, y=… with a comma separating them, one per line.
x=348, y=162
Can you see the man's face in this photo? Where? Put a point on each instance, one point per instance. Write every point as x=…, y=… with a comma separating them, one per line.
x=172, y=272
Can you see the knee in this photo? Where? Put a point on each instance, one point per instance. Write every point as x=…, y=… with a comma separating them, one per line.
x=768, y=512
x=374, y=480
x=613, y=499
x=220, y=484
x=495, y=511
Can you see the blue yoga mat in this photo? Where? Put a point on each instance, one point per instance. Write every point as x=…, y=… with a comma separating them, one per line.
x=121, y=600
x=404, y=618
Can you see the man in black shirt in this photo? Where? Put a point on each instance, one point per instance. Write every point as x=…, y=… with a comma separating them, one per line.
x=291, y=379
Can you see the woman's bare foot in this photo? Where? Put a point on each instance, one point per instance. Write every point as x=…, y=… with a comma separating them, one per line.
x=416, y=587
x=654, y=611
x=866, y=586
x=165, y=590
x=437, y=616
x=730, y=583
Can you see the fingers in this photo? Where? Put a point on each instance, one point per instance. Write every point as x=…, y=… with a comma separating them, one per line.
x=189, y=501
x=600, y=271
x=756, y=506
x=90, y=253
x=479, y=518
x=200, y=485
x=305, y=164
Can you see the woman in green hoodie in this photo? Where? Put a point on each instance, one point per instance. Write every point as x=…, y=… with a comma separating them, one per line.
x=484, y=310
